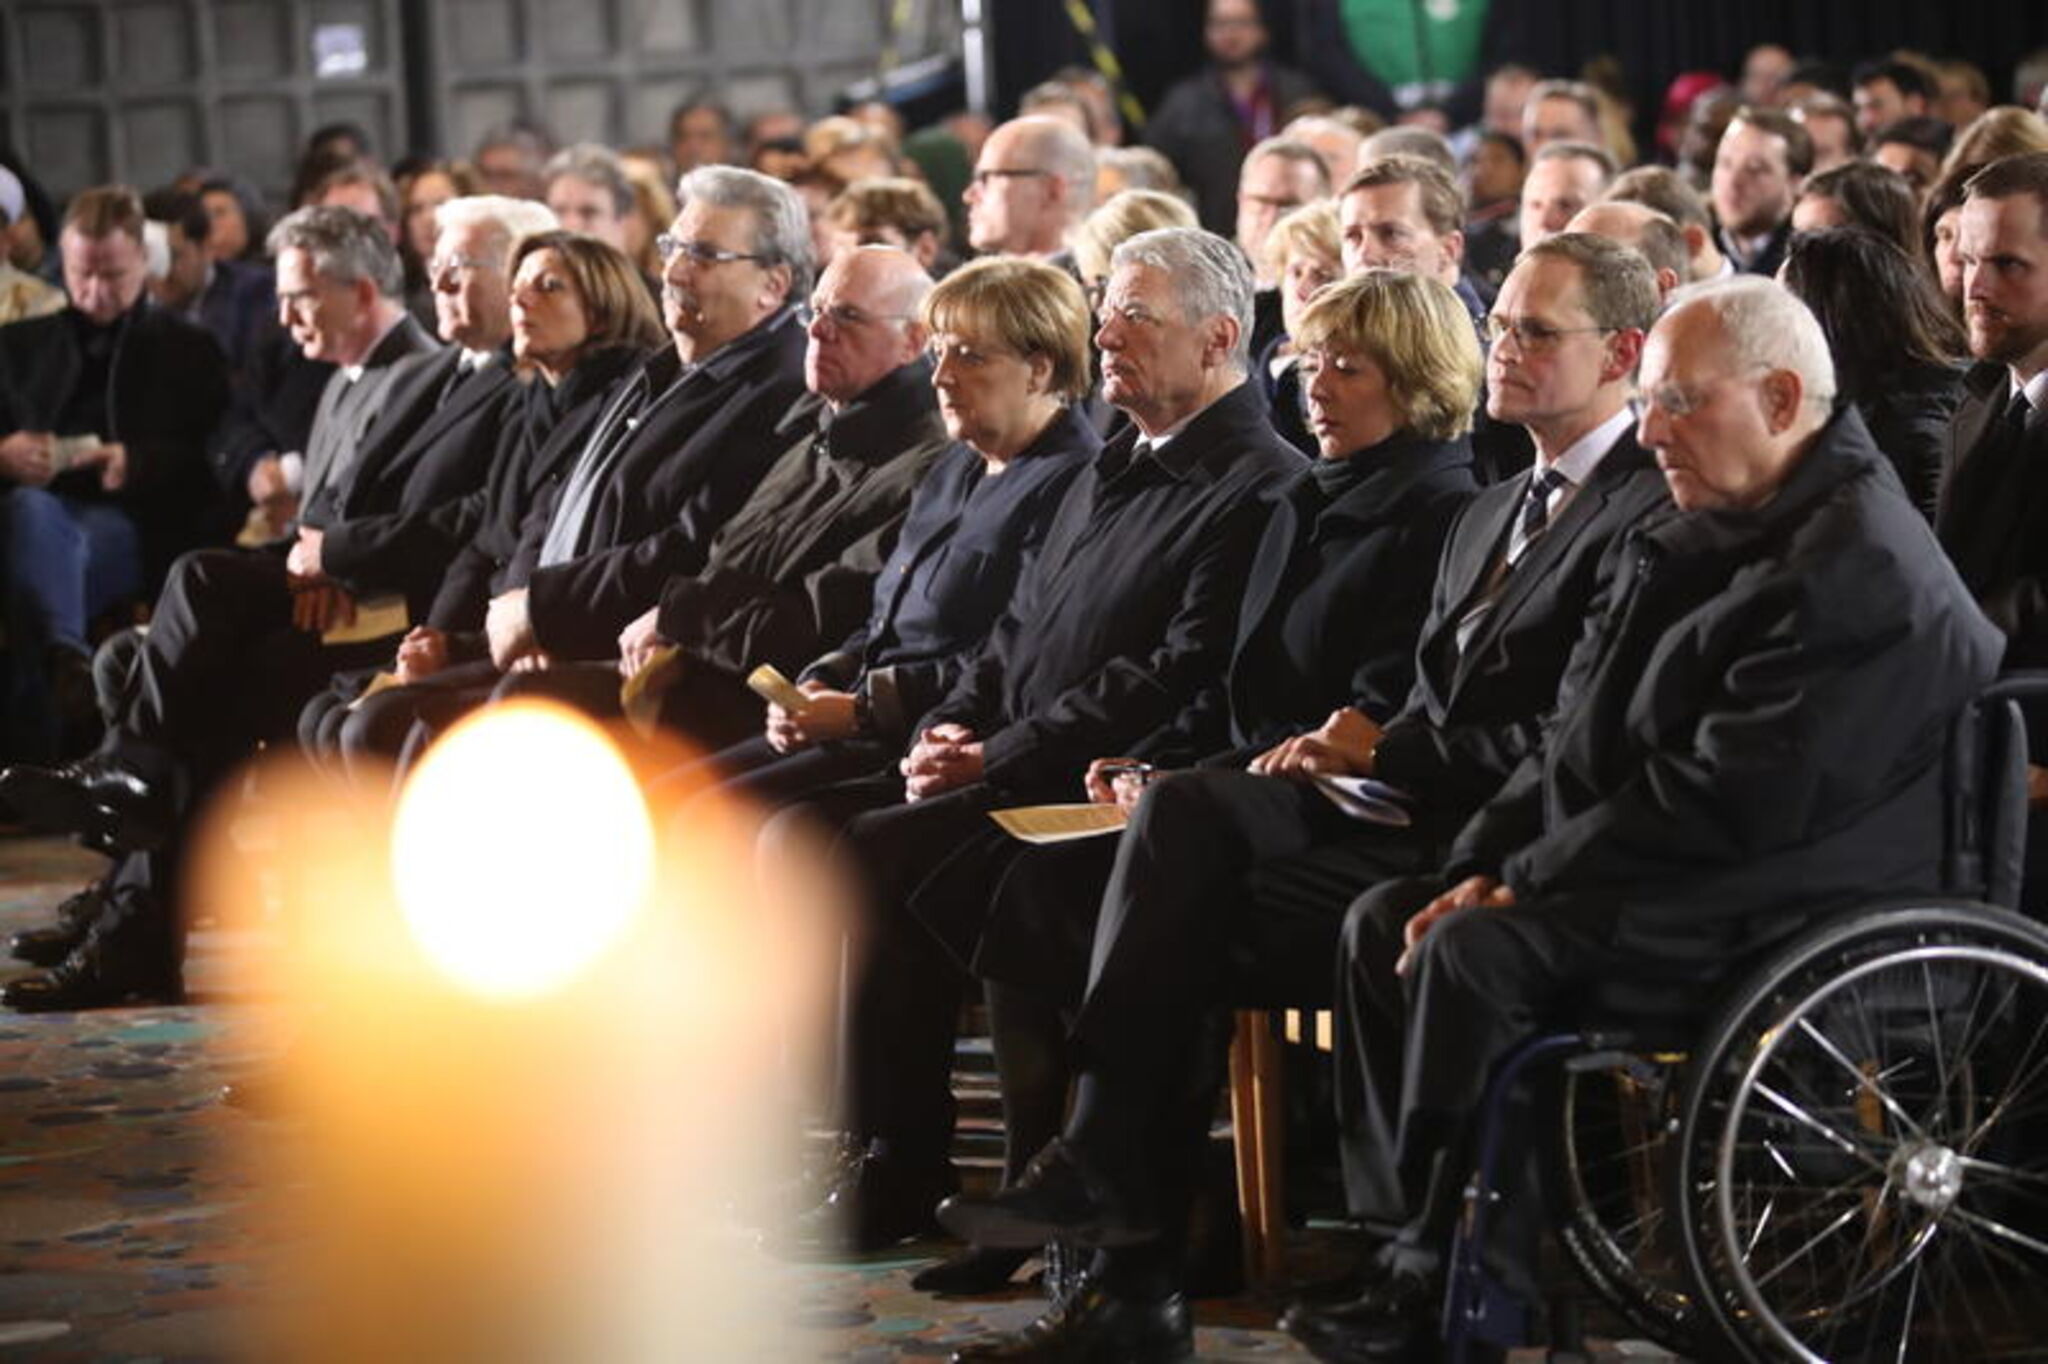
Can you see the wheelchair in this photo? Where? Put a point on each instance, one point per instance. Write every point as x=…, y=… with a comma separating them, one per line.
x=1850, y=1163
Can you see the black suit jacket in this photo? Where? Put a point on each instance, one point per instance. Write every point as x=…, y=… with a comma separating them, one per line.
x=1476, y=713
x=1130, y=611
x=687, y=467
x=1752, y=726
x=482, y=531
x=420, y=455
x=1993, y=519
x=167, y=388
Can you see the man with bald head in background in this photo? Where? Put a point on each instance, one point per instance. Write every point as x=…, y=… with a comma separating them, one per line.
x=1033, y=183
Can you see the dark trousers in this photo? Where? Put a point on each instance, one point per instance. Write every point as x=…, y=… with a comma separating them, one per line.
x=1226, y=889
x=901, y=1004
x=220, y=669
x=1414, y=1052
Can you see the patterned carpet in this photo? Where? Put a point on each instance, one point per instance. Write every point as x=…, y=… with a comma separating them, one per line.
x=125, y=1210
x=129, y=1223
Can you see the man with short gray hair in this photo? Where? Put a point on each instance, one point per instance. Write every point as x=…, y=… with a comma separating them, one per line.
x=1748, y=735
x=1126, y=620
x=688, y=436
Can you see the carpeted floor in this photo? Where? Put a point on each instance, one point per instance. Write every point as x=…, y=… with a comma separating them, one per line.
x=125, y=1231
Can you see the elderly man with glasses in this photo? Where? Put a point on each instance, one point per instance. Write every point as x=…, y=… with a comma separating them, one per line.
x=793, y=569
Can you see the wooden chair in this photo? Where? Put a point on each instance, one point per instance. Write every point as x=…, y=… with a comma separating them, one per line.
x=1258, y=1126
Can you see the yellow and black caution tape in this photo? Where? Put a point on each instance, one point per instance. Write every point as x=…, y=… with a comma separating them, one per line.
x=1083, y=20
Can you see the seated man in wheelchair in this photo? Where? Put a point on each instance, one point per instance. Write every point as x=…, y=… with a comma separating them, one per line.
x=1749, y=734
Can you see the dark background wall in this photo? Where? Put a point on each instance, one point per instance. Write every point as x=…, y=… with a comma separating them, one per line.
x=93, y=90
x=1158, y=40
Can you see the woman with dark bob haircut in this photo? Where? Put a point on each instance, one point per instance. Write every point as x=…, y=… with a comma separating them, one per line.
x=581, y=320
x=1332, y=607
x=1896, y=346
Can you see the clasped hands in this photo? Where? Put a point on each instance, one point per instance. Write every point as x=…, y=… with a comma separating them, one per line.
x=944, y=758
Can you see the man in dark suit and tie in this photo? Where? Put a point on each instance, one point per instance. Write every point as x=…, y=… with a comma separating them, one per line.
x=237, y=642
x=1993, y=517
x=1271, y=857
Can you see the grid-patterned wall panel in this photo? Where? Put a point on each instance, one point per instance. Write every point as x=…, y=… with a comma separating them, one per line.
x=611, y=70
x=140, y=90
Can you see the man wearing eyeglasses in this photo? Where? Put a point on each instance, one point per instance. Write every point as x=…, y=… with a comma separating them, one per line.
x=1748, y=733
x=793, y=569
x=238, y=640
x=679, y=447
x=687, y=438
x=1032, y=185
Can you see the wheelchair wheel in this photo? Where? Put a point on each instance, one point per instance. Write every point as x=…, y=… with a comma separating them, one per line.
x=1610, y=1170
x=1864, y=1164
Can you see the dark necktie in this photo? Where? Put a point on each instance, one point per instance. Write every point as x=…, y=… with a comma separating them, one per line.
x=1536, y=505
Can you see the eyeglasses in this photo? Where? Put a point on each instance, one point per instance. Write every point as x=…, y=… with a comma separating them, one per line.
x=1533, y=338
x=842, y=315
x=441, y=266
x=668, y=247
x=981, y=178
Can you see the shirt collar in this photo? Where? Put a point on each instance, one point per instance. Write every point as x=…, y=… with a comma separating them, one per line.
x=355, y=371
x=2036, y=389
x=1579, y=459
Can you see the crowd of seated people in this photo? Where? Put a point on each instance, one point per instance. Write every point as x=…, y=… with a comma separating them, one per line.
x=1643, y=526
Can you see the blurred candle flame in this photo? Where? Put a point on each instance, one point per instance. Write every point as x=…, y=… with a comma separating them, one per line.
x=521, y=849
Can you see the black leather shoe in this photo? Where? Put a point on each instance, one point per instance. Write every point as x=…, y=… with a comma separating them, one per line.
x=109, y=807
x=1394, y=1320
x=1058, y=1199
x=877, y=1201
x=128, y=956
x=977, y=1269
x=1095, y=1327
x=50, y=945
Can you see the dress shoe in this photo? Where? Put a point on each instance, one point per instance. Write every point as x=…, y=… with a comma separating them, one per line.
x=977, y=1269
x=877, y=1200
x=1093, y=1326
x=129, y=955
x=111, y=808
x=1392, y=1322
x=49, y=945
x=1059, y=1198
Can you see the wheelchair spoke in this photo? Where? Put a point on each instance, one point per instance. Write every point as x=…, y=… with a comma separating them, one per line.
x=1865, y=1080
x=2001, y=1235
x=2033, y=1065
x=1825, y=1132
